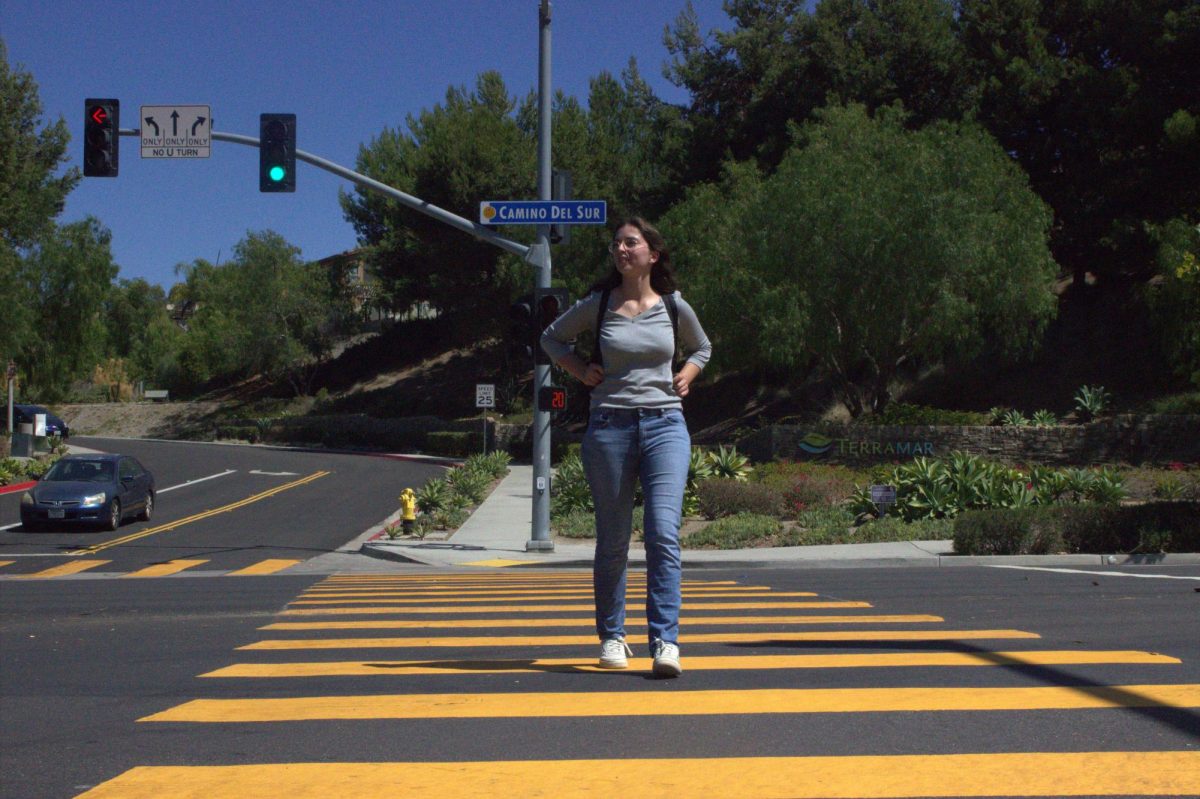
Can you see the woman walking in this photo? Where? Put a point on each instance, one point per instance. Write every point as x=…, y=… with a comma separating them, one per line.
x=636, y=430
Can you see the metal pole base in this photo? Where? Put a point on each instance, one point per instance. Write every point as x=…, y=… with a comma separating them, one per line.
x=533, y=545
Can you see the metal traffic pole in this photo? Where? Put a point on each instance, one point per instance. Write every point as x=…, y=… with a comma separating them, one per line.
x=540, y=540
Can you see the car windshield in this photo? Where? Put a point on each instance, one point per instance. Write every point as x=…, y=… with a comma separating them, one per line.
x=80, y=472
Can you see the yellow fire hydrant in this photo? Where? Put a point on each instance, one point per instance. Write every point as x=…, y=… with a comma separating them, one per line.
x=408, y=509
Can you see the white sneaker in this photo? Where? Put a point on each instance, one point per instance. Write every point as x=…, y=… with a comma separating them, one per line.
x=666, y=660
x=613, y=654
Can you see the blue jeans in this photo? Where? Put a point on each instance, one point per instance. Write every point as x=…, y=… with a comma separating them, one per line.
x=620, y=447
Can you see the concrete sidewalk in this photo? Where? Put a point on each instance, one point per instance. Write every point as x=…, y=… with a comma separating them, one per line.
x=496, y=535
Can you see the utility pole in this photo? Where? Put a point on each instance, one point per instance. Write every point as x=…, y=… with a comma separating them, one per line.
x=540, y=257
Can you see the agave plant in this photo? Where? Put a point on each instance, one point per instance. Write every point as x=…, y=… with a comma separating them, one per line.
x=1107, y=487
x=1044, y=418
x=1091, y=401
x=569, y=490
x=1015, y=418
x=433, y=496
x=729, y=464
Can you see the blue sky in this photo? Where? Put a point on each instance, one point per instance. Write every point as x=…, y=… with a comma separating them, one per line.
x=347, y=69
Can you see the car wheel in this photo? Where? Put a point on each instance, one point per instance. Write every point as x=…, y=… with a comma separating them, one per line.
x=148, y=509
x=114, y=515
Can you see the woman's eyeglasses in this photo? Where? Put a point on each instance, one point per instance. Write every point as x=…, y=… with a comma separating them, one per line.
x=630, y=243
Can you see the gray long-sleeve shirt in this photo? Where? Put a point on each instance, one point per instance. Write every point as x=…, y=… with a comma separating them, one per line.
x=637, y=352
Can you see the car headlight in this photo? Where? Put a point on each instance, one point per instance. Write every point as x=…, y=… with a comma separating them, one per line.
x=95, y=499
x=27, y=498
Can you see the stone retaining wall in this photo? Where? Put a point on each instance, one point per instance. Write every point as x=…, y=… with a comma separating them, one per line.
x=1131, y=439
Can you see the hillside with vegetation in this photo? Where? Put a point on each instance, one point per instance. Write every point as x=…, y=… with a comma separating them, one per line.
x=948, y=204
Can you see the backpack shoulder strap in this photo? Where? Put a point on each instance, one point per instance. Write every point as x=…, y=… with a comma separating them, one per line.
x=673, y=312
x=597, y=357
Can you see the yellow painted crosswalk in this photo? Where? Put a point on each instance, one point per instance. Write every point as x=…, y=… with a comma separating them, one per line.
x=169, y=568
x=794, y=650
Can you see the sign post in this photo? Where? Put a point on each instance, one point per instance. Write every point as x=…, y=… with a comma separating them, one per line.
x=12, y=379
x=485, y=397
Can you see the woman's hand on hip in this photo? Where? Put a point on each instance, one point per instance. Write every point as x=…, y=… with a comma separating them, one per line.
x=593, y=375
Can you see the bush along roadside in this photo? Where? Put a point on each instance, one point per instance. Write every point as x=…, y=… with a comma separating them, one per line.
x=1147, y=529
x=1006, y=510
x=444, y=503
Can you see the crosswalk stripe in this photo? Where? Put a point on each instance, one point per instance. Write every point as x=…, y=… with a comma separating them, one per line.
x=471, y=592
x=679, y=703
x=579, y=582
x=764, y=638
x=847, y=777
x=385, y=668
x=689, y=606
x=547, y=595
x=62, y=570
x=269, y=566
x=164, y=569
x=691, y=621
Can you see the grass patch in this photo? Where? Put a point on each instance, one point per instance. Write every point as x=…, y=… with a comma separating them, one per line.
x=735, y=532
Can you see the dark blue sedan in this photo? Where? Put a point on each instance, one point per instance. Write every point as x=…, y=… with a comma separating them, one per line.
x=24, y=414
x=99, y=489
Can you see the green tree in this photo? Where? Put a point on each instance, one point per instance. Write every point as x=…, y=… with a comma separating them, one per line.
x=265, y=311
x=783, y=60
x=871, y=248
x=140, y=330
x=1176, y=299
x=32, y=194
x=1099, y=101
x=70, y=271
x=467, y=149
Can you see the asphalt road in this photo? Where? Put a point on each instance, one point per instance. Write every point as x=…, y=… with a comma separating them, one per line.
x=223, y=508
x=408, y=682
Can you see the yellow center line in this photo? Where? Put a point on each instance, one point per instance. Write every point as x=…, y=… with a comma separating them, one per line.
x=164, y=569
x=691, y=621
x=831, y=777
x=763, y=638
x=679, y=703
x=197, y=517
x=386, y=668
x=6, y=562
x=61, y=571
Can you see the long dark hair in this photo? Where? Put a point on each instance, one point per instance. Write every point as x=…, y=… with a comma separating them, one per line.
x=662, y=276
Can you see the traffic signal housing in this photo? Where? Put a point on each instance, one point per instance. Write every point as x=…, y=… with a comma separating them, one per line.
x=101, y=137
x=560, y=189
x=276, y=152
x=549, y=304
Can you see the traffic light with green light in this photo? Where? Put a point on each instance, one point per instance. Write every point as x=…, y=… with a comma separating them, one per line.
x=101, y=137
x=277, y=152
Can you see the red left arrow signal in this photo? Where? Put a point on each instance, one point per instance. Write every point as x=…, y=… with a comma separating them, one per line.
x=99, y=116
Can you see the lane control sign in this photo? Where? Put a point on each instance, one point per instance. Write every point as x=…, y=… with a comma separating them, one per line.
x=176, y=131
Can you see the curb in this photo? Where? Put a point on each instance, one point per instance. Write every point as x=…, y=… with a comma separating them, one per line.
x=15, y=487
x=735, y=561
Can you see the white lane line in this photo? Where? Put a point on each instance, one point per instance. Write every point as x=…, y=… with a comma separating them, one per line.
x=275, y=474
x=160, y=491
x=1104, y=574
x=197, y=480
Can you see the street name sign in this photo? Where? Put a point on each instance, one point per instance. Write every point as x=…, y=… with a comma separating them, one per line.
x=176, y=131
x=543, y=212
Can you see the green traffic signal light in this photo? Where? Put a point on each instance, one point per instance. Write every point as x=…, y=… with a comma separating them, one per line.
x=277, y=152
